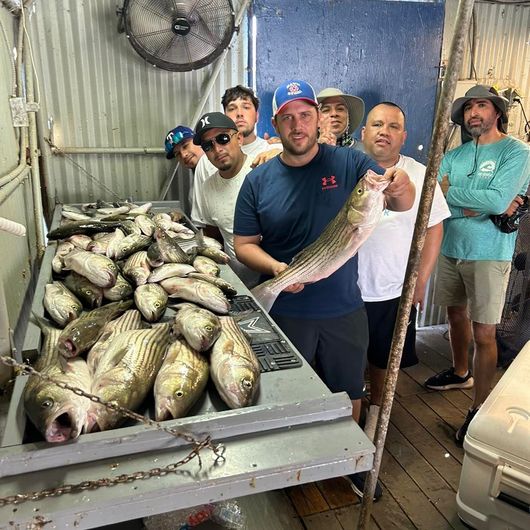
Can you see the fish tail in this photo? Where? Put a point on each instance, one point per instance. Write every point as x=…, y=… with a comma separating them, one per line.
x=264, y=295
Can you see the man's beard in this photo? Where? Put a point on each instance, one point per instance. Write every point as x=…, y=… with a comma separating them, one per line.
x=246, y=132
x=482, y=128
x=299, y=150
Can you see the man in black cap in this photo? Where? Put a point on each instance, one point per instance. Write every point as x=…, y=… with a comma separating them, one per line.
x=480, y=178
x=221, y=141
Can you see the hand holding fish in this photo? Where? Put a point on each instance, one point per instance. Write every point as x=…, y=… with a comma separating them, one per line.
x=401, y=192
x=293, y=288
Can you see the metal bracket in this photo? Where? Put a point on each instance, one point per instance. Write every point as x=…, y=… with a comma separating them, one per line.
x=20, y=109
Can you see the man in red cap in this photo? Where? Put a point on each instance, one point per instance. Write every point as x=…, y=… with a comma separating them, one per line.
x=283, y=206
x=480, y=178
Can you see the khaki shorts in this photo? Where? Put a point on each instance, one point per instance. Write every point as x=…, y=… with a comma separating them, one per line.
x=480, y=285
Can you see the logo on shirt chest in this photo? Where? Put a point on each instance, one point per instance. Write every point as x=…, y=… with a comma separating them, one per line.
x=487, y=168
x=328, y=183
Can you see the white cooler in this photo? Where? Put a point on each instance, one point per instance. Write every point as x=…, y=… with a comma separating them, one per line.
x=494, y=491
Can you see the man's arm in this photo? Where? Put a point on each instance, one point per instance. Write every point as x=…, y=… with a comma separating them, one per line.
x=429, y=255
x=249, y=252
x=509, y=179
x=401, y=192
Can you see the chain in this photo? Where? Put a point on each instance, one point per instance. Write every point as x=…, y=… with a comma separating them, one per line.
x=217, y=449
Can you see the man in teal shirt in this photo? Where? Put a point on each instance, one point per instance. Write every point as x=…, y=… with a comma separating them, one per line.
x=480, y=178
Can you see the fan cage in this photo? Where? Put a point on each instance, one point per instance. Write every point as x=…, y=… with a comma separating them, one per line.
x=155, y=30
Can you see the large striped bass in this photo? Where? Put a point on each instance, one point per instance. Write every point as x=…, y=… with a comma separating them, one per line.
x=234, y=366
x=339, y=241
x=180, y=382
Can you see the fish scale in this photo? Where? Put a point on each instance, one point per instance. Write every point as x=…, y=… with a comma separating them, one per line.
x=130, y=320
x=132, y=376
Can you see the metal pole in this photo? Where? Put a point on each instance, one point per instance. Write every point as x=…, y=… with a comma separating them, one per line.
x=56, y=150
x=206, y=94
x=441, y=126
x=34, y=156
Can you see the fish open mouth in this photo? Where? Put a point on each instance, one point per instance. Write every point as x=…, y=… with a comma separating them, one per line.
x=163, y=414
x=61, y=429
x=69, y=348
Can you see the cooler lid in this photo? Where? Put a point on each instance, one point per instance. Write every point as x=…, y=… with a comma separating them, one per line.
x=503, y=421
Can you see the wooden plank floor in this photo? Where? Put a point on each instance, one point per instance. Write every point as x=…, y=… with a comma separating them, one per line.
x=421, y=464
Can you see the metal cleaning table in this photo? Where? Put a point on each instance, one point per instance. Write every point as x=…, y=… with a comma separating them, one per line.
x=297, y=432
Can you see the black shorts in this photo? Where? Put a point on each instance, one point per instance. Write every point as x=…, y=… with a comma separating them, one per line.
x=381, y=320
x=335, y=347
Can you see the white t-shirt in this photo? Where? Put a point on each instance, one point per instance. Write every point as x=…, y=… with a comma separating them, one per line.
x=384, y=255
x=205, y=168
x=219, y=204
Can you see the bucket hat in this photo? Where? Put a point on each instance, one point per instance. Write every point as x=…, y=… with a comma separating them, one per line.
x=355, y=105
x=481, y=92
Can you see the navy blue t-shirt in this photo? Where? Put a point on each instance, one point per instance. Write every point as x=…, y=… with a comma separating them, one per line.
x=290, y=207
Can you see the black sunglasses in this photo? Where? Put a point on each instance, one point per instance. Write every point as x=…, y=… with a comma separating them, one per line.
x=221, y=139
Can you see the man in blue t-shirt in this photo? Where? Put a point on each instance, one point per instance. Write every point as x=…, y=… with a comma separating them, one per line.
x=480, y=178
x=283, y=206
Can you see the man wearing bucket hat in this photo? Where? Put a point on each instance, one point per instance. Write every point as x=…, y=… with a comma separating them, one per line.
x=480, y=178
x=283, y=206
x=342, y=114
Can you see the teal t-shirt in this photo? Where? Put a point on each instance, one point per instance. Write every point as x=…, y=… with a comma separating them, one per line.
x=485, y=179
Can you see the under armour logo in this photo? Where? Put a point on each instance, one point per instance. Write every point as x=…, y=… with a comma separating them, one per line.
x=329, y=182
x=205, y=121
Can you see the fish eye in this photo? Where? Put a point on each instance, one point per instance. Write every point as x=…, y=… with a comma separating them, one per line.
x=157, y=304
x=208, y=328
x=47, y=403
x=246, y=383
x=359, y=191
x=179, y=393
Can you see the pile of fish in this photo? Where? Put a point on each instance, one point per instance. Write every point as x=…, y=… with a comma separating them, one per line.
x=114, y=273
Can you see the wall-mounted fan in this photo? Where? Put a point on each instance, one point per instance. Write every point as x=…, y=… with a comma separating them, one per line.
x=178, y=35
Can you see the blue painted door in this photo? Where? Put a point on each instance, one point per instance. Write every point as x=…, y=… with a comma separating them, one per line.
x=378, y=50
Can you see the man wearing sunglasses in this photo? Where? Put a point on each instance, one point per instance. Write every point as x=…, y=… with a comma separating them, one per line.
x=283, y=206
x=221, y=141
x=241, y=105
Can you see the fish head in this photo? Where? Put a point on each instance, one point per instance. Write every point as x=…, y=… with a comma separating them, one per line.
x=70, y=341
x=177, y=400
x=201, y=329
x=100, y=418
x=109, y=389
x=59, y=414
x=366, y=201
x=241, y=388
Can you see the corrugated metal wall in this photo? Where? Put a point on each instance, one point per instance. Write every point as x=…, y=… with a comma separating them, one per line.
x=96, y=91
x=17, y=253
x=502, y=58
